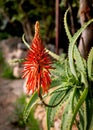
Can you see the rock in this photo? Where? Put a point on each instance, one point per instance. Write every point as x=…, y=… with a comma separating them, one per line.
x=12, y=49
x=16, y=71
x=22, y=46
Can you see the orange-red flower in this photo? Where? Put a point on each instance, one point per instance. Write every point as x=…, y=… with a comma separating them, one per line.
x=37, y=65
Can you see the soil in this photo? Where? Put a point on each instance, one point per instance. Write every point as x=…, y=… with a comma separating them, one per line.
x=10, y=90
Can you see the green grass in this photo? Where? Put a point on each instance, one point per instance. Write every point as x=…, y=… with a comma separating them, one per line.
x=5, y=70
x=4, y=35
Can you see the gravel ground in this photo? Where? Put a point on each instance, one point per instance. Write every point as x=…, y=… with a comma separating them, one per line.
x=10, y=90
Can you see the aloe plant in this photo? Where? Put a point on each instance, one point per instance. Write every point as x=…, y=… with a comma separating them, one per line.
x=73, y=88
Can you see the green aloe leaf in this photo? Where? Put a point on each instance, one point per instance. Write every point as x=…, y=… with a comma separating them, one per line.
x=66, y=26
x=81, y=123
x=49, y=110
x=55, y=98
x=90, y=64
x=79, y=60
x=89, y=103
x=85, y=115
x=68, y=111
x=30, y=105
x=71, y=47
x=79, y=103
x=55, y=111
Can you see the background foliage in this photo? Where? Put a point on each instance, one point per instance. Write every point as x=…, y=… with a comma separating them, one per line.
x=14, y=12
x=16, y=15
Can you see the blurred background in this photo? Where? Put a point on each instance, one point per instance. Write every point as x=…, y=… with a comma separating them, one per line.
x=17, y=17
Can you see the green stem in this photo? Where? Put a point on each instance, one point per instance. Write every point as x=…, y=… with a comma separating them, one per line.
x=55, y=56
x=47, y=105
x=23, y=38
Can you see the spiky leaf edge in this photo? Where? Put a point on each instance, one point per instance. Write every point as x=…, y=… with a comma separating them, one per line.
x=68, y=111
x=79, y=60
x=89, y=63
x=79, y=103
x=71, y=47
x=29, y=106
x=55, y=98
